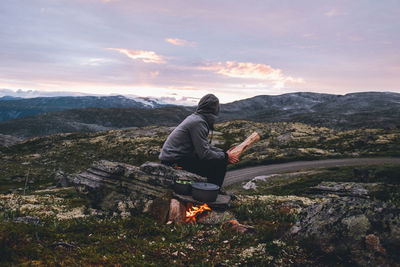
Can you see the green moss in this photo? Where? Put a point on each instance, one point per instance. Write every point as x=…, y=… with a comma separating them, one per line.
x=136, y=241
x=300, y=184
x=43, y=157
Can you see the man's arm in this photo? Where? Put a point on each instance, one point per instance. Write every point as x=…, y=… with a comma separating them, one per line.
x=216, y=149
x=202, y=148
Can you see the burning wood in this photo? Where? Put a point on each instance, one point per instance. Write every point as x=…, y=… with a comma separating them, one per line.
x=195, y=211
x=177, y=212
x=239, y=149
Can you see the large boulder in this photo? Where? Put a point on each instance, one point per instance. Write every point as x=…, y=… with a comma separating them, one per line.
x=351, y=225
x=123, y=188
x=8, y=140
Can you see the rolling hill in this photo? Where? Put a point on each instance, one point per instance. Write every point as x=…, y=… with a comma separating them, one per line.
x=351, y=111
x=13, y=108
x=356, y=110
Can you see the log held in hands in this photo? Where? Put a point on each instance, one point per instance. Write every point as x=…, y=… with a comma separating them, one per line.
x=238, y=150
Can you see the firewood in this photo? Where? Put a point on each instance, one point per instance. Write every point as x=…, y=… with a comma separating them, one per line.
x=239, y=149
x=177, y=212
x=235, y=226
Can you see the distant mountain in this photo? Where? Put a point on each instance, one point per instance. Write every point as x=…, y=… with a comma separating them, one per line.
x=93, y=120
x=6, y=97
x=12, y=108
x=356, y=110
x=351, y=111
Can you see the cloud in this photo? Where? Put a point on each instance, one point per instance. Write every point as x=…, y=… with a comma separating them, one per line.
x=145, y=56
x=248, y=70
x=333, y=13
x=179, y=42
x=37, y=93
x=154, y=74
x=356, y=38
x=94, y=61
x=308, y=35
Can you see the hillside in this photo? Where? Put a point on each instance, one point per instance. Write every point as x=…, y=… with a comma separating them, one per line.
x=351, y=111
x=92, y=120
x=12, y=108
x=40, y=159
x=300, y=217
x=7, y=140
x=6, y=97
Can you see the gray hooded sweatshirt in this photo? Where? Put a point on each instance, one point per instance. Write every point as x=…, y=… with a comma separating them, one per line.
x=189, y=139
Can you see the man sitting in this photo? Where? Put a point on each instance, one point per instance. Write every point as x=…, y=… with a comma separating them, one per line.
x=187, y=146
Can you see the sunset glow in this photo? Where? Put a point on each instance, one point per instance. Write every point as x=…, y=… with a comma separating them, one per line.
x=183, y=49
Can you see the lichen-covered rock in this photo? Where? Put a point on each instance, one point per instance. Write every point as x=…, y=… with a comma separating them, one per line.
x=62, y=179
x=8, y=140
x=342, y=189
x=123, y=188
x=356, y=227
x=28, y=220
x=363, y=190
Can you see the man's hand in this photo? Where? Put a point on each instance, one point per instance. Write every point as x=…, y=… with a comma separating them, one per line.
x=232, y=157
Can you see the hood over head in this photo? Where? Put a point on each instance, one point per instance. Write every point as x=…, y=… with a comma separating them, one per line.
x=208, y=107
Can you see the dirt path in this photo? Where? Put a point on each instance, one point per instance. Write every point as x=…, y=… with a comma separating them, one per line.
x=245, y=174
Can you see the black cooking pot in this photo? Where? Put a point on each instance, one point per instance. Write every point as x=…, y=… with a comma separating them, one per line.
x=205, y=192
x=183, y=187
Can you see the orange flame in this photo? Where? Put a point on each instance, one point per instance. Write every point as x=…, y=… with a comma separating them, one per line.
x=195, y=211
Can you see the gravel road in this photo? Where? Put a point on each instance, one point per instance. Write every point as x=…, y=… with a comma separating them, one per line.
x=246, y=174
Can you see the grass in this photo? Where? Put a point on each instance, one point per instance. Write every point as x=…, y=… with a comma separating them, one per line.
x=142, y=241
x=281, y=142
x=138, y=241
x=286, y=184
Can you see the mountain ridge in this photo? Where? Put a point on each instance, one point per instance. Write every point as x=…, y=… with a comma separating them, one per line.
x=13, y=108
x=351, y=111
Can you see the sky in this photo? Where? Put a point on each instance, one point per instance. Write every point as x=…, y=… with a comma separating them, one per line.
x=181, y=50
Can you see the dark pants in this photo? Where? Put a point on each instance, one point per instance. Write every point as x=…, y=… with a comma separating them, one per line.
x=213, y=170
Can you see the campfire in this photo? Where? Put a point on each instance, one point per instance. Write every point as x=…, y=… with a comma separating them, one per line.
x=195, y=211
x=185, y=212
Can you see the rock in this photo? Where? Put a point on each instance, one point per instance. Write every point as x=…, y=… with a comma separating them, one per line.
x=350, y=189
x=159, y=208
x=353, y=226
x=222, y=202
x=28, y=220
x=8, y=140
x=166, y=173
x=61, y=179
x=341, y=189
x=140, y=189
x=373, y=244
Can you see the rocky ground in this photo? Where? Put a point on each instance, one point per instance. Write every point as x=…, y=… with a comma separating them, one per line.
x=36, y=161
x=325, y=217
x=339, y=215
x=7, y=140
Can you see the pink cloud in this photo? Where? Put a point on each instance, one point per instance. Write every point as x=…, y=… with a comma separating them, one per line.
x=145, y=56
x=356, y=38
x=154, y=74
x=179, y=42
x=248, y=70
x=334, y=13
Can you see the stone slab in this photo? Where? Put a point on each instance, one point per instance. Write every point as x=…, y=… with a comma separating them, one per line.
x=222, y=201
